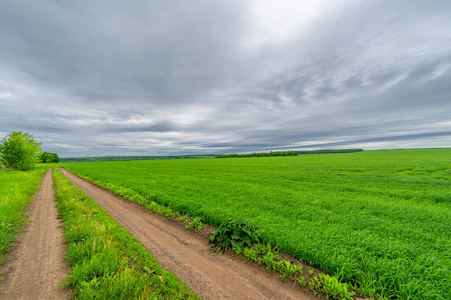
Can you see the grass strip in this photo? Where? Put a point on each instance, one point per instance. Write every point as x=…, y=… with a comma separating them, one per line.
x=108, y=263
x=17, y=189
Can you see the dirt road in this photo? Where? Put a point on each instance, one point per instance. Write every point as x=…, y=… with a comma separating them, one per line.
x=185, y=253
x=35, y=266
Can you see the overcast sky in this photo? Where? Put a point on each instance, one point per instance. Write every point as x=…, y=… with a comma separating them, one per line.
x=189, y=77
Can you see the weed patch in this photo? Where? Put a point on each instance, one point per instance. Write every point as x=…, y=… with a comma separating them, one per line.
x=272, y=259
x=235, y=233
x=196, y=223
x=331, y=286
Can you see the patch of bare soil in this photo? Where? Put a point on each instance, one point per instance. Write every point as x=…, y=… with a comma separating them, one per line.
x=34, y=267
x=186, y=254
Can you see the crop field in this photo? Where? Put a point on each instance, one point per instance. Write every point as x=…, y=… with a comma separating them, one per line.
x=379, y=219
x=16, y=192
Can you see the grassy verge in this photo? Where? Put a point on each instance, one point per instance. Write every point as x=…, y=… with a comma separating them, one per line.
x=17, y=189
x=107, y=263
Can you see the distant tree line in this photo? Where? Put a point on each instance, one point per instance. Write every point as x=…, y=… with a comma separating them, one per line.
x=261, y=154
x=330, y=151
x=288, y=153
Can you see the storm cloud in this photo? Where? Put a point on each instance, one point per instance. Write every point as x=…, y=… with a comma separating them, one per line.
x=190, y=77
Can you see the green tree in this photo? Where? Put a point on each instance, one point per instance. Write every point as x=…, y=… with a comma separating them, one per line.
x=19, y=151
x=48, y=157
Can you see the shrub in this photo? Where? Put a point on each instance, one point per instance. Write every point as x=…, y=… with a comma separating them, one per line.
x=48, y=157
x=235, y=233
x=19, y=151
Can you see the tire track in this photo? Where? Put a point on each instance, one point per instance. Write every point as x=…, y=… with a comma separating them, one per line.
x=34, y=267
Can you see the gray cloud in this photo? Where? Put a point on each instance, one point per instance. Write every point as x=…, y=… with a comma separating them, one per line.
x=122, y=78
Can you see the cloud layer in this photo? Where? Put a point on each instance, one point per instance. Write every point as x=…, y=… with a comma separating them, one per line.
x=182, y=77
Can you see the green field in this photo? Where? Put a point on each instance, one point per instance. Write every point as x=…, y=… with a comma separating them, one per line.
x=17, y=189
x=379, y=219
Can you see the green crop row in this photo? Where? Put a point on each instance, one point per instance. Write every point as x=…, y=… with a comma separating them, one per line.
x=17, y=189
x=106, y=262
x=377, y=219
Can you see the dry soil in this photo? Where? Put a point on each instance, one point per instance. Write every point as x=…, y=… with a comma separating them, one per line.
x=34, y=267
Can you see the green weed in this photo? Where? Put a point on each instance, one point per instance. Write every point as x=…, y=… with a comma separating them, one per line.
x=185, y=219
x=331, y=286
x=235, y=233
x=196, y=223
x=271, y=258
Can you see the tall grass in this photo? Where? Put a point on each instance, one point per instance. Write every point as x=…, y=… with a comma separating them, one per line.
x=379, y=219
x=17, y=189
x=107, y=263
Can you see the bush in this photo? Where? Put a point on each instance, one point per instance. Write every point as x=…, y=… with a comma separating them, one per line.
x=48, y=157
x=19, y=151
x=235, y=233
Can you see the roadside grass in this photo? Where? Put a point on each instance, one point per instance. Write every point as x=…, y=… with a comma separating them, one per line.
x=17, y=189
x=377, y=219
x=107, y=263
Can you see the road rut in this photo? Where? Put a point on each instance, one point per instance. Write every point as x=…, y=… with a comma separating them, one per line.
x=186, y=253
x=34, y=267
